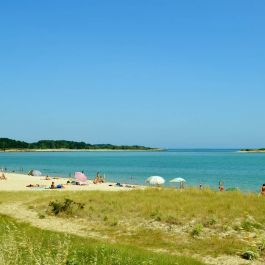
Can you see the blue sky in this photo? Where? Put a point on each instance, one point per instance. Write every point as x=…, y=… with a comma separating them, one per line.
x=158, y=73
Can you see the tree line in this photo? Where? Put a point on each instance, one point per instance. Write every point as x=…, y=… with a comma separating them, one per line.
x=6, y=143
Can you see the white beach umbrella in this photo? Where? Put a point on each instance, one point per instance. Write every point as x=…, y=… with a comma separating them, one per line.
x=177, y=180
x=155, y=180
x=180, y=181
x=34, y=172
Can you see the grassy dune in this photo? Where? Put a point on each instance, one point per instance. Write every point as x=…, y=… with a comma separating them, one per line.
x=191, y=223
x=23, y=244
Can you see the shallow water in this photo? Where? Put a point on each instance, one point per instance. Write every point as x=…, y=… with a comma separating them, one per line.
x=243, y=170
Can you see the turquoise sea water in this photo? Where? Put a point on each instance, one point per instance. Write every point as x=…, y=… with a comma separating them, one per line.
x=243, y=170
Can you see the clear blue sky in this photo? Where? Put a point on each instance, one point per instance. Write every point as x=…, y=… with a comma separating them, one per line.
x=158, y=73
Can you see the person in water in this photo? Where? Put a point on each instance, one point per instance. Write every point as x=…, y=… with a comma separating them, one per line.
x=263, y=190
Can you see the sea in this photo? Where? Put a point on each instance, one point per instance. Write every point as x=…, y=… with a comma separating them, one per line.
x=245, y=171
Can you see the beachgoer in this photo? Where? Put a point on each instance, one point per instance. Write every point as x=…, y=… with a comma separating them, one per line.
x=200, y=187
x=33, y=185
x=181, y=186
x=263, y=190
x=3, y=177
x=47, y=178
x=52, y=186
x=221, y=186
x=98, y=179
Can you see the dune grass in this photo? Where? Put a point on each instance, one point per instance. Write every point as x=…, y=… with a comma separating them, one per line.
x=190, y=222
x=23, y=244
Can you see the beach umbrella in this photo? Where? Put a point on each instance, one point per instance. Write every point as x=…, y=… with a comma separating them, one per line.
x=155, y=180
x=80, y=176
x=179, y=180
x=35, y=173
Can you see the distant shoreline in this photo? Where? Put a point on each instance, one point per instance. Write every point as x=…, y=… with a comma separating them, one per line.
x=79, y=150
x=10, y=145
x=252, y=151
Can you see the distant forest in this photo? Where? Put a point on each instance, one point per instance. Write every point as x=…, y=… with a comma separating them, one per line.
x=6, y=144
x=252, y=150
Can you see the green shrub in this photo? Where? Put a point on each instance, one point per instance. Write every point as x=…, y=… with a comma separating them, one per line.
x=210, y=222
x=249, y=226
x=249, y=255
x=67, y=207
x=196, y=231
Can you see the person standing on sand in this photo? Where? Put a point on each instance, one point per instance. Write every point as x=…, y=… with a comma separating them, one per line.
x=221, y=186
x=263, y=190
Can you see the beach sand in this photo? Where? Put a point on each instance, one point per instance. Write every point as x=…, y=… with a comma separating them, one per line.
x=18, y=182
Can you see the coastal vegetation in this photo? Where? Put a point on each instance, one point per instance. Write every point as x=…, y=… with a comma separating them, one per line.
x=253, y=150
x=10, y=144
x=23, y=244
x=203, y=224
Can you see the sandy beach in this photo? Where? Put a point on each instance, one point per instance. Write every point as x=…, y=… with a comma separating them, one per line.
x=18, y=182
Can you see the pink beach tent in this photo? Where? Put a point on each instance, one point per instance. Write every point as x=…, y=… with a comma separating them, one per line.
x=80, y=176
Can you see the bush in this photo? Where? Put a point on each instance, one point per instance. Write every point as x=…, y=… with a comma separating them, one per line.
x=67, y=207
x=196, y=231
x=249, y=255
x=210, y=222
x=249, y=226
